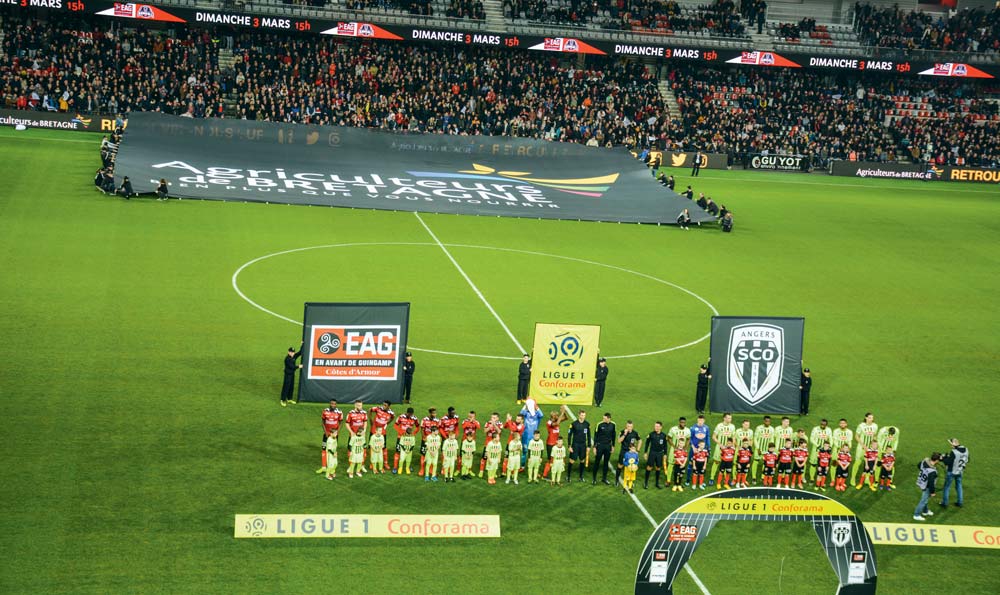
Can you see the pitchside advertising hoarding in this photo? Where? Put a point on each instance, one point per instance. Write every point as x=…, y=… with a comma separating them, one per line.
x=564, y=363
x=756, y=364
x=915, y=171
x=776, y=162
x=666, y=51
x=353, y=352
x=57, y=121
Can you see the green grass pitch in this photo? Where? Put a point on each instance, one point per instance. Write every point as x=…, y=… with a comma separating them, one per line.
x=139, y=392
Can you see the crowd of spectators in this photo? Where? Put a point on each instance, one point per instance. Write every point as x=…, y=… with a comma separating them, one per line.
x=968, y=30
x=56, y=66
x=488, y=91
x=717, y=17
x=442, y=89
x=830, y=116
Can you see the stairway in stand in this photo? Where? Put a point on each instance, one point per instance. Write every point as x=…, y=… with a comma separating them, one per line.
x=494, y=14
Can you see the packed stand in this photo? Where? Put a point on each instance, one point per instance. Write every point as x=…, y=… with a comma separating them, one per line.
x=969, y=30
x=56, y=67
x=438, y=89
x=719, y=17
x=827, y=116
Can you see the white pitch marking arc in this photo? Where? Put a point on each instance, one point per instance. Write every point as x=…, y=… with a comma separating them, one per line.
x=246, y=298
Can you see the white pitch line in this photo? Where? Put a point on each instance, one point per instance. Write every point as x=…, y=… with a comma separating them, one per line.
x=520, y=348
x=652, y=521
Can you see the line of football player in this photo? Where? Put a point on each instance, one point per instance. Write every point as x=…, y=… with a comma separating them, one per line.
x=770, y=455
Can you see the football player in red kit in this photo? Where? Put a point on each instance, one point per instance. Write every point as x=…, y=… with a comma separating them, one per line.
x=403, y=423
x=552, y=436
x=700, y=461
x=744, y=457
x=382, y=416
x=785, y=464
x=824, y=456
x=843, y=467
x=493, y=428
x=870, y=462
x=799, y=457
x=429, y=425
x=357, y=423
x=470, y=425
x=770, y=459
x=449, y=424
x=516, y=427
x=887, y=463
x=332, y=417
x=726, y=456
x=680, y=463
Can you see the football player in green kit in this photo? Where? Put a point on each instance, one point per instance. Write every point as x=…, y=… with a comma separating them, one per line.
x=558, y=460
x=449, y=454
x=762, y=436
x=514, y=449
x=865, y=435
x=819, y=435
x=468, y=454
x=721, y=435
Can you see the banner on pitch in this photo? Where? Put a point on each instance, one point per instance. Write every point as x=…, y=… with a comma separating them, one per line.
x=564, y=363
x=353, y=352
x=756, y=364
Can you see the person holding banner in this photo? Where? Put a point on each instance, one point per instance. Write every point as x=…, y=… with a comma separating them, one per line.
x=701, y=395
x=291, y=367
x=409, y=367
x=805, y=385
x=600, y=378
x=523, y=379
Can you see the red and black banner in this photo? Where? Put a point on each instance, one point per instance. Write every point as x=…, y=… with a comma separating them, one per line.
x=667, y=51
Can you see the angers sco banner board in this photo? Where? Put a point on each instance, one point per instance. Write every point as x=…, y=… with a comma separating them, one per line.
x=564, y=363
x=353, y=352
x=756, y=364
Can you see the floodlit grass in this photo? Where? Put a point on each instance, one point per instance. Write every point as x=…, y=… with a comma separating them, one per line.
x=140, y=408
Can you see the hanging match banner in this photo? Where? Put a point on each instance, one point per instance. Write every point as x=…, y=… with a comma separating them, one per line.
x=840, y=533
x=756, y=364
x=564, y=363
x=353, y=351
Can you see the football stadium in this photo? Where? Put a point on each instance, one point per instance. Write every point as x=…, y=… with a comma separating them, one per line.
x=500, y=296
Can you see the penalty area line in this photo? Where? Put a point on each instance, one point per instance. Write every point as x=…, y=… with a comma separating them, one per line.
x=652, y=521
x=520, y=348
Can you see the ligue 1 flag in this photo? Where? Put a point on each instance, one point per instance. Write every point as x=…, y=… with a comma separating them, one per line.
x=564, y=362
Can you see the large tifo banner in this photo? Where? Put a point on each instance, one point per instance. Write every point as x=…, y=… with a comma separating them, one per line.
x=371, y=169
x=564, y=363
x=756, y=364
x=353, y=352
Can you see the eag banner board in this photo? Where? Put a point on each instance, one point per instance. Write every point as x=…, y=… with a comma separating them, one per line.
x=353, y=352
x=756, y=364
x=789, y=163
x=336, y=166
x=564, y=363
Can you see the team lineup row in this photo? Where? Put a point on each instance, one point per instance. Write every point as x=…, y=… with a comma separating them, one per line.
x=738, y=455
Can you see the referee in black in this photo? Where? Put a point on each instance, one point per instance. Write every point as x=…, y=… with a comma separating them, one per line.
x=604, y=443
x=600, y=378
x=626, y=438
x=409, y=367
x=523, y=379
x=580, y=441
x=655, y=449
x=290, y=368
x=701, y=396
